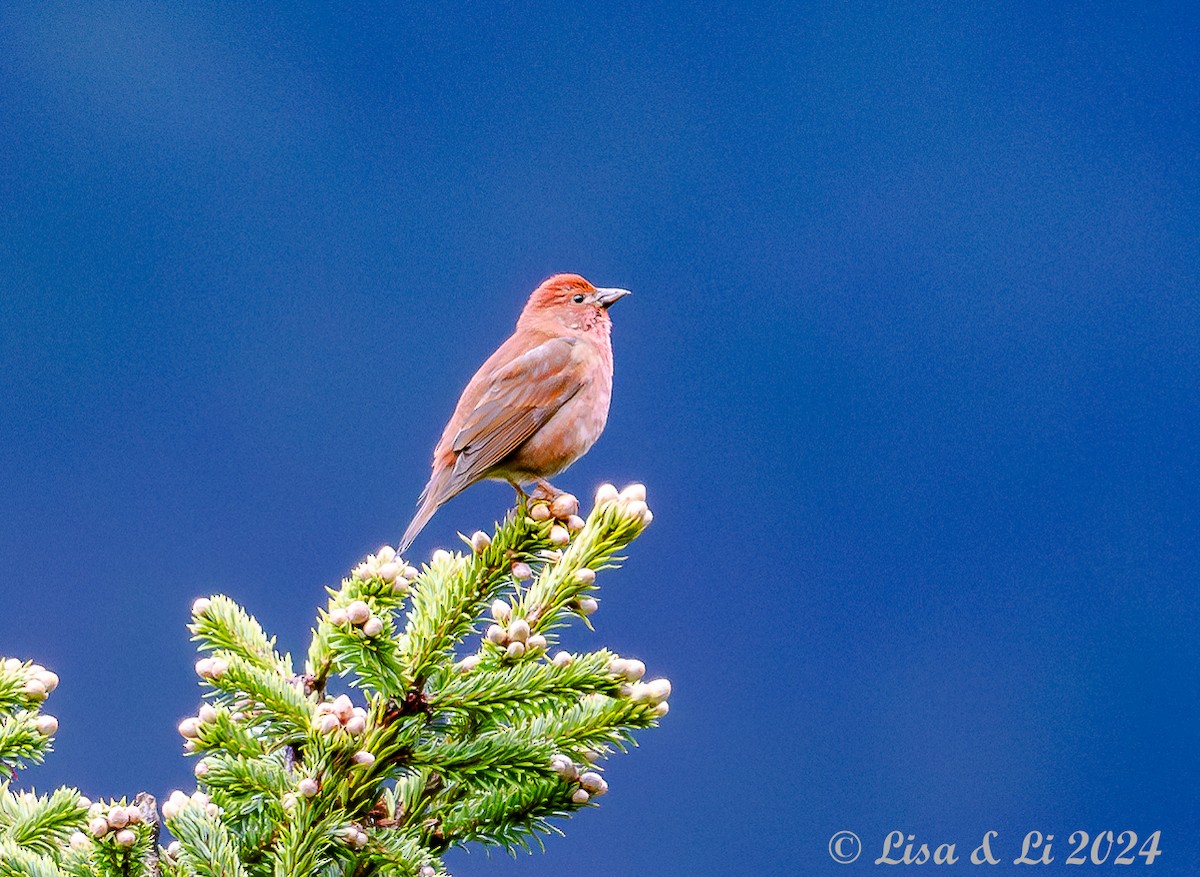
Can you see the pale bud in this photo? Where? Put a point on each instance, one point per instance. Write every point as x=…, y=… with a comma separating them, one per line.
x=308, y=787
x=439, y=556
x=289, y=801
x=98, y=827
x=587, y=605
x=559, y=535
x=563, y=659
x=469, y=663
x=386, y=554
x=48, y=679
x=327, y=724
x=635, y=492
x=343, y=707
x=200, y=606
x=521, y=571
x=198, y=797
x=35, y=689
x=606, y=493
x=428, y=871
x=540, y=512
x=659, y=689
x=410, y=572
x=516, y=650
x=218, y=668
x=636, y=509
x=212, y=810
x=85, y=802
x=338, y=617
x=401, y=587
x=363, y=757
x=190, y=727
x=389, y=571
x=358, y=612
x=580, y=796
x=350, y=833
x=480, y=541
x=564, y=767
x=647, y=517
x=174, y=848
x=362, y=572
x=519, y=630
x=497, y=634
x=78, y=840
x=591, y=756
x=125, y=838
x=585, y=576
x=361, y=840
x=633, y=670
x=201, y=768
x=189, y=746
x=117, y=817
x=575, y=523
x=135, y=815
x=536, y=643
x=501, y=611
x=12, y=665
x=593, y=782
x=46, y=725
x=564, y=505
x=355, y=725
x=373, y=627
x=207, y=714
x=662, y=709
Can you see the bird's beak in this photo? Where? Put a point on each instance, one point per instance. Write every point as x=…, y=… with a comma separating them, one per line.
x=605, y=297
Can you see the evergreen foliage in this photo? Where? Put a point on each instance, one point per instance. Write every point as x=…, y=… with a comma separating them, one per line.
x=458, y=726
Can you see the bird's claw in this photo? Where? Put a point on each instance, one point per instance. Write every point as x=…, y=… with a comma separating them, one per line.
x=545, y=490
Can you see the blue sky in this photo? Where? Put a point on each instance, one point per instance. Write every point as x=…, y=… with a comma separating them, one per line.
x=910, y=371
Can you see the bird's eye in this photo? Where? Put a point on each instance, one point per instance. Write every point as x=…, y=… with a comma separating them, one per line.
x=578, y=299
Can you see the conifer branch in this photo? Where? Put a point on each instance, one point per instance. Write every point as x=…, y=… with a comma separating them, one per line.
x=206, y=846
x=424, y=753
x=226, y=626
x=40, y=824
x=16, y=861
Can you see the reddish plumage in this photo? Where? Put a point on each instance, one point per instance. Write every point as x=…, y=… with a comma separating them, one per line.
x=537, y=404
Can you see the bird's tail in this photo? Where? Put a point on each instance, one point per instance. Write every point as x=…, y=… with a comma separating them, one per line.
x=430, y=501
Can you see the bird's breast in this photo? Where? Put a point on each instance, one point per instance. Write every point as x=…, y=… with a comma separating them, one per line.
x=574, y=428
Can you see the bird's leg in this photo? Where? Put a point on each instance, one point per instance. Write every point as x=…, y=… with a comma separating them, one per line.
x=545, y=490
x=522, y=496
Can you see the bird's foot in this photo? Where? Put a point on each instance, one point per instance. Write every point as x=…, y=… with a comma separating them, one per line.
x=545, y=490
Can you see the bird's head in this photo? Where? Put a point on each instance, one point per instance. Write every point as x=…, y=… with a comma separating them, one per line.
x=566, y=303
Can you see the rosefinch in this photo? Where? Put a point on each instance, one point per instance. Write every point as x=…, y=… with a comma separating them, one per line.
x=536, y=405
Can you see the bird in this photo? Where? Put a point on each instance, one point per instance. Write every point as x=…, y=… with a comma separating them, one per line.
x=536, y=405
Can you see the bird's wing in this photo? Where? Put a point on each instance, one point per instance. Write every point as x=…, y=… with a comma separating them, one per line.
x=522, y=397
